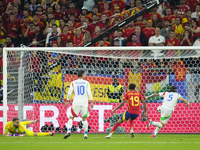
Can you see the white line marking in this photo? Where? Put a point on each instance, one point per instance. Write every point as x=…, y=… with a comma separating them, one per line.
x=65, y=142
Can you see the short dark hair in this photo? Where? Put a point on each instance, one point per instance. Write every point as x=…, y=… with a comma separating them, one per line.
x=167, y=20
x=132, y=86
x=54, y=25
x=172, y=31
x=178, y=18
x=37, y=25
x=72, y=14
x=15, y=119
x=80, y=73
x=176, y=8
x=172, y=89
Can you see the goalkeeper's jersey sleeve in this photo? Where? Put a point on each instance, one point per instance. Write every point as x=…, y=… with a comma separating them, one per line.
x=170, y=99
x=81, y=89
x=9, y=128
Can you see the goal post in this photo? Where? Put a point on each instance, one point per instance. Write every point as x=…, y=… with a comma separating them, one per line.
x=36, y=81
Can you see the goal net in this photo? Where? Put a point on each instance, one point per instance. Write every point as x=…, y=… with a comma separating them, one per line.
x=36, y=82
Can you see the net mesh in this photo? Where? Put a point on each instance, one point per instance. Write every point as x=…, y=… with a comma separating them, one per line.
x=47, y=76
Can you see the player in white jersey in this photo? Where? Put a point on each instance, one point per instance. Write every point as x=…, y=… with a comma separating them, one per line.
x=169, y=102
x=81, y=89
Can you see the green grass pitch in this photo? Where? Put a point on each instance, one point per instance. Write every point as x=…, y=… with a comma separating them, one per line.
x=97, y=142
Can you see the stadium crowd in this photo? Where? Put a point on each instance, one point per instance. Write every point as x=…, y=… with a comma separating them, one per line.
x=72, y=23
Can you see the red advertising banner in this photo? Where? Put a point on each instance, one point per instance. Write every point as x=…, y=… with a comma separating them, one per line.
x=183, y=119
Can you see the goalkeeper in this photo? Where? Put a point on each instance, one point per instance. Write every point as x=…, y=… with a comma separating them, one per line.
x=17, y=128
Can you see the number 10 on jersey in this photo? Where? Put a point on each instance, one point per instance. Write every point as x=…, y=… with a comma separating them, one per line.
x=81, y=90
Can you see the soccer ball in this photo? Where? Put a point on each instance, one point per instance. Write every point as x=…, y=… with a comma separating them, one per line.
x=159, y=109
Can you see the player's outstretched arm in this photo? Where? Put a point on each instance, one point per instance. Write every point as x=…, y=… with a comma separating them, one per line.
x=184, y=101
x=145, y=107
x=119, y=106
x=153, y=95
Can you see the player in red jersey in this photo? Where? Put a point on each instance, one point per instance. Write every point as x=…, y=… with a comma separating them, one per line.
x=133, y=99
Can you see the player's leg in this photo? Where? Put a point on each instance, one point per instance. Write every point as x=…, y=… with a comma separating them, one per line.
x=165, y=115
x=85, y=114
x=31, y=133
x=73, y=113
x=124, y=117
x=131, y=128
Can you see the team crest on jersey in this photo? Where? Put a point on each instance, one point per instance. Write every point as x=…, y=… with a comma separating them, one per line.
x=68, y=37
x=173, y=42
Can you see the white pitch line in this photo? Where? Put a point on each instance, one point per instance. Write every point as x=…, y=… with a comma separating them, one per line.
x=99, y=142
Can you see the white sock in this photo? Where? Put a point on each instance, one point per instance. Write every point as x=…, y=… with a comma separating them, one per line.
x=157, y=124
x=156, y=130
x=69, y=125
x=131, y=130
x=110, y=134
x=85, y=127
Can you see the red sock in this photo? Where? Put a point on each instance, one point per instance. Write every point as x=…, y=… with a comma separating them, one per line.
x=131, y=124
x=115, y=127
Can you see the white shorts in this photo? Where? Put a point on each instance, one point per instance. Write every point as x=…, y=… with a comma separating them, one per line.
x=76, y=109
x=165, y=114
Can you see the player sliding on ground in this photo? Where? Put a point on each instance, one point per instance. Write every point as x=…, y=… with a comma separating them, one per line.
x=169, y=102
x=81, y=89
x=133, y=99
x=17, y=128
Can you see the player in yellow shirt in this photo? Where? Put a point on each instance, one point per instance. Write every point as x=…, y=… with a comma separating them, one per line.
x=17, y=128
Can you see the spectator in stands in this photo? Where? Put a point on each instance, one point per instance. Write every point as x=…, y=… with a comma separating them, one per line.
x=106, y=10
x=130, y=30
x=17, y=16
x=134, y=41
x=101, y=5
x=115, y=91
x=95, y=10
x=58, y=14
x=196, y=14
x=39, y=11
x=49, y=27
x=149, y=16
x=141, y=37
x=35, y=63
x=102, y=42
x=64, y=5
x=78, y=37
x=149, y=31
x=139, y=22
x=59, y=41
x=12, y=29
x=52, y=36
x=178, y=28
x=72, y=18
x=157, y=40
x=25, y=27
x=25, y=14
x=85, y=12
x=36, y=22
x=97, y=32
x=103, y=23
x=195, y=29
x=84, y=28
x=122, y=41
x=168, y=12
x=33, y=6
x=165, y=31
x=172, y=41
x=67, y=35
x=189, y=16
x=187, y=40
x=86, y=38
x=83, y=19
x=130, y=5
x=49, y=11
x=120, y=3
x=154, y=19
x=70, y=25
x=93, y=24
x=62, y=24
x=29, y=31
x=37, y=38
x=73, y=10
x=172, y=18
x=9, y=42
x=183, y=8
x=197, y=43
x=3, y=31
